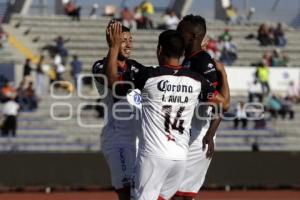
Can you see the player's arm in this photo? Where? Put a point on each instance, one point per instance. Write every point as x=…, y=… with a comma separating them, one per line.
x=223, y=89
x=224, y=86
x=115, y=37
x=208, y=139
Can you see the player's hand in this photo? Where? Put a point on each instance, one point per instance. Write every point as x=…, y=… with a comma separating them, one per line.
x=205, y=43
x=114, y=33
x=111, y=22
x=209, y=141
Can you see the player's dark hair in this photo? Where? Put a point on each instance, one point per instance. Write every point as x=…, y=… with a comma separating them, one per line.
x=172, y=43
x=197, y=22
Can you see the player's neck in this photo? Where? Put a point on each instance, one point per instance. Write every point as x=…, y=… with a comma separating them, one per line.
x=192, y=50
x=121, y=63
x=169, y=61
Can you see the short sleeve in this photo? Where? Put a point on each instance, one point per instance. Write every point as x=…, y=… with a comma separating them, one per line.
x=98, y=68
x=205, y=66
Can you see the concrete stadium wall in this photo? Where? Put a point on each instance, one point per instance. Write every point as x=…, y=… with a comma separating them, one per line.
x=237, y=169
x=240, y=77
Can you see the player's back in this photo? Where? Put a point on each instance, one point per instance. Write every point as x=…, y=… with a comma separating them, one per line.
x=170, y=95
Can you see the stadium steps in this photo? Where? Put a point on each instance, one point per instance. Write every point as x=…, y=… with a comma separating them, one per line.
x=89, y=32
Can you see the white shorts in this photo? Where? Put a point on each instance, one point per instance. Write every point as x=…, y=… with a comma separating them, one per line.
x=196, y=167
x=121, y=162
x=154, y=175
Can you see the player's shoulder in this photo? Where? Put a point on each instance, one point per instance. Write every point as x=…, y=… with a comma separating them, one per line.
x=204, y=59
x=187, y=73
x=204, y=64
x=203, y=54
x=134, y=63
x=98, y=66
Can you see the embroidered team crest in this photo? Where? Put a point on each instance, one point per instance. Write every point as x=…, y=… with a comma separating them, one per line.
x=135, y=98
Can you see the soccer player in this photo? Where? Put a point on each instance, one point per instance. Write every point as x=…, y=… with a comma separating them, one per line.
x=193, y=29
x=170, y=94
x=118, y=138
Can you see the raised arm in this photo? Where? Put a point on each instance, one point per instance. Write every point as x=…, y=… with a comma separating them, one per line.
x=115, y=37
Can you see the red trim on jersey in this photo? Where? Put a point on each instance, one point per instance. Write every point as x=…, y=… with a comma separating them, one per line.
x=122, y=67
x=213, y=97
x=173, y=66
x=160, y=198
x=185, y=194
x=193, y=54
x=215, y=83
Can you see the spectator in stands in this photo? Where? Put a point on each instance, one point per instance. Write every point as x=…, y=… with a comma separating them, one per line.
x=93, y=13
x=27, y=69
x=273, y=105
x=76, y=69
x=241, y=115
x=213, y=48
x=61, y=49
x=138, y=17
x=277, y=59
x=228, y=53
x=286, y=108
x=279, y=37
x=128, y=19
x=255, y=91
x=40, y=78
x=231, y=15
x=262, y=75
x=10, y=111
x=259, y=118
x=293, y=93
x=59, y=67
x=72, y=10
x=266, y=59
x=265, y=35
x=29, y=98
x=7, y=91
x=146, y=10
x=225, y=36
x=170, y=19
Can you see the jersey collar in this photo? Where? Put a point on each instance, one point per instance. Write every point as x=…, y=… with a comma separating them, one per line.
x=173, y=66
x=193, y=53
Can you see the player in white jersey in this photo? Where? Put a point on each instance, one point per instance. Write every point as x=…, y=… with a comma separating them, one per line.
x=170, y=94
x=193, y=29
x=118, y=138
